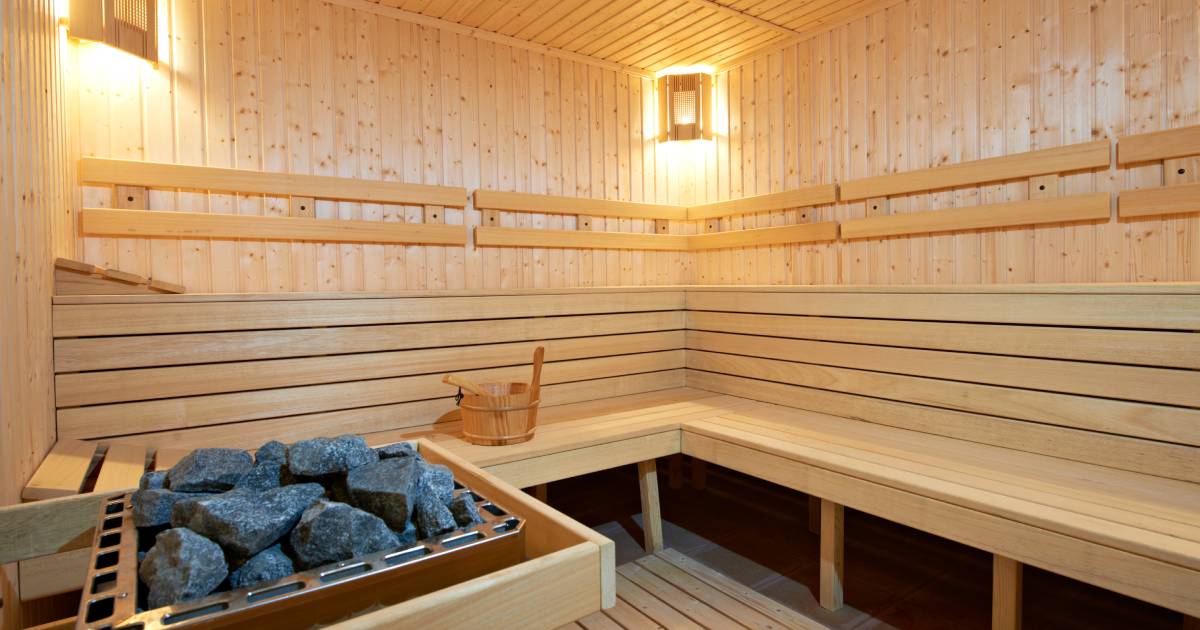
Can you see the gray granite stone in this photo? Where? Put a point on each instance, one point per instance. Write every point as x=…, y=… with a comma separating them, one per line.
x=245, y=522
x=182, y=565
x=268, y=565
x=325, y=456
x=331, y=532
x=432, y=517
x=273, y=451
x=399, y=449
x=263, y=476
x=464, y=510
x=209, y=470
x=153, y=480
x=152, y=506
x=386, y=489
x=437, y=479
x=408, y=535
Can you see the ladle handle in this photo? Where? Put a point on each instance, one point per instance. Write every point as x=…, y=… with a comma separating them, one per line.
x=535, y=385
x=454, y=379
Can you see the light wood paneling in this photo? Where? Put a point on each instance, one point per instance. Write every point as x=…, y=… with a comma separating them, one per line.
x=907, y=100
x=36, y=226
x=633, y=32
x=354, y=90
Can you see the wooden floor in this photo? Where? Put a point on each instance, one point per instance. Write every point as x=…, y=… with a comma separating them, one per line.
x=670, y=590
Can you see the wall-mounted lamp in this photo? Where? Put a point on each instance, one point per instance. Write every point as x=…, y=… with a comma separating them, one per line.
x=685, y=107
x=129, y=25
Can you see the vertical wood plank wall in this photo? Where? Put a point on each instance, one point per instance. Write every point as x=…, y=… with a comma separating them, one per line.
x=312, y=87
x=930, y=82
x=35, y=191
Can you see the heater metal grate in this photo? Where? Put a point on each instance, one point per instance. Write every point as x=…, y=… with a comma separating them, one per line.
x=318, y=596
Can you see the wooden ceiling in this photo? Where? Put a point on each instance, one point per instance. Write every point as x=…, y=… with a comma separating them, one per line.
x=646, y=34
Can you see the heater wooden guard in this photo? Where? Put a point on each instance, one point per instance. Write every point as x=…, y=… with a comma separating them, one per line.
x=568, y=571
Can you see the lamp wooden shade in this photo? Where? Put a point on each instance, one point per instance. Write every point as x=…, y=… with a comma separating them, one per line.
x=685, y=107
x=130, y=25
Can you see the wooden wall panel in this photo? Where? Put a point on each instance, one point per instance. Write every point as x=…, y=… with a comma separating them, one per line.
x=932, y=82
x=35, y=227
x=305, y=86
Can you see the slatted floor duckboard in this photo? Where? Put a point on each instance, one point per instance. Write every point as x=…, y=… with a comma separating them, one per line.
x=671, y=590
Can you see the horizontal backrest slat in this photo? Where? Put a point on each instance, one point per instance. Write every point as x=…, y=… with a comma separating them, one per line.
x=90, y=388
x=103, y=353
x=1134, y=383
x=80, y=320
x=158, y=371
x=1138, y=347
x=1150, y=311
x=156, y=415
x=1109, y=374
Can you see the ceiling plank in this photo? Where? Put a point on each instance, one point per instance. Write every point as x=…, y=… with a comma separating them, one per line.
x=453, y=27
x=859, y=11
x=720, y=8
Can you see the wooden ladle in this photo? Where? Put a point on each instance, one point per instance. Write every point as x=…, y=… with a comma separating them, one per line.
x=458, y=381
x=535, y=385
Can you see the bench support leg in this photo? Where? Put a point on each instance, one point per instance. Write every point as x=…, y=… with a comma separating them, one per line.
x=651, y=515
x=832, y=556
x=1006, y=593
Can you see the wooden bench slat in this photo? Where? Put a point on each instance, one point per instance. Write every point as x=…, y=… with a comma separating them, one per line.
x=1139, y=347
x=1158, y=422
x=105, y=353
x=1132, y=454
x=402, y=419
x=1165, y=312
x=1171, y=387
x=1136, y=496
x=928, y=459
x=122, y=468
x=82, y=320
x=62, y=472
x=165, y=458
x=157, y=415
x=90, y=388
x=1133, y=574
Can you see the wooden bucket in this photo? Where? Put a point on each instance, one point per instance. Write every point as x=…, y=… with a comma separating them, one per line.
x=507, y=416
x=505, y=413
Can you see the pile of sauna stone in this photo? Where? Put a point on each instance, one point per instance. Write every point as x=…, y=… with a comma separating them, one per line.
x=221, y=520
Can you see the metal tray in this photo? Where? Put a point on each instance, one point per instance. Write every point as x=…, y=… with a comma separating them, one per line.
x=310, y=598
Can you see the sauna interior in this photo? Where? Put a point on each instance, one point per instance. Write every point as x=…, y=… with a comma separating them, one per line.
x=852, y=314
